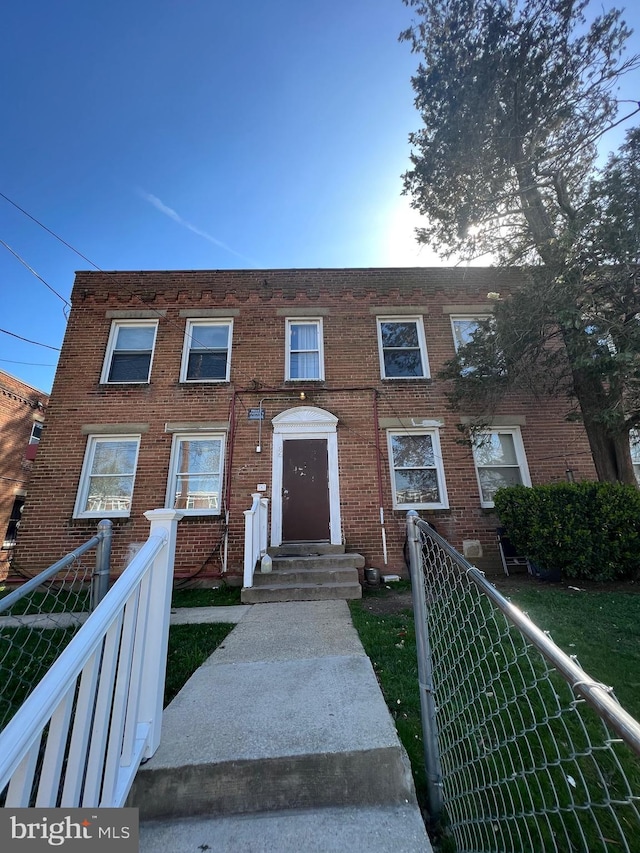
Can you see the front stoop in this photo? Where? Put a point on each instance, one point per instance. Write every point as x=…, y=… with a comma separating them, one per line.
x=307, y=572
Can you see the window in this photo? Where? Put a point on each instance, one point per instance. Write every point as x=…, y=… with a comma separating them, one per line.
x=36, y=433
x=108, y=474
x=129, y=351
x=14, y=522
x=403, y=349
x=207, y=351
x=195, y=478
x=634, y=442
x=464, y=328
x=305, y=358
x=500, y=461
x=417, y=474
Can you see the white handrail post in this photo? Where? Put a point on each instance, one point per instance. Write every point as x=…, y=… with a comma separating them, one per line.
x=164, y=523
x=251, y=539
x=264, y=513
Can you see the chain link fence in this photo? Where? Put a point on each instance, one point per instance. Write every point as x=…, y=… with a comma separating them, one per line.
x=523, y=750
x=38, y=619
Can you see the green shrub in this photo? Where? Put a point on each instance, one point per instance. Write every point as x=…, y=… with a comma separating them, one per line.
x=586, y=530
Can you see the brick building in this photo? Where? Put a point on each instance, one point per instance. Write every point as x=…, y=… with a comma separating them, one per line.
x=22, y=411
x=319, y=387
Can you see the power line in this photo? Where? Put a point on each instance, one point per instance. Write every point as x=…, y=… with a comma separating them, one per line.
x=36, y=343
x=31, y=363
x=37, y=275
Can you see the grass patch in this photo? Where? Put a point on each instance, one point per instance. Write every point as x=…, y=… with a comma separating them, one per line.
x=601, y=628
x=221, y=596
x=189, y=647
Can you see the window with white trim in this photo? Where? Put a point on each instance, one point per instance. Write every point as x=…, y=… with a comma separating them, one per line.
x=417, y=472
x=464, y=328
x=108, y=475
x=500, y=461
x=36, y=432
x=129, y=351
x=402, y=347
x=634, y=444
x=305, y=356
x=206, y=356
x=196, y=473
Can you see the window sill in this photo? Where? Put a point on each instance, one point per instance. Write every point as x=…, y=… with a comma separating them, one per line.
x=103, y=386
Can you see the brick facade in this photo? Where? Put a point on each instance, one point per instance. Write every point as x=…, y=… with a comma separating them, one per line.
x=366, y=406
x=20, y=407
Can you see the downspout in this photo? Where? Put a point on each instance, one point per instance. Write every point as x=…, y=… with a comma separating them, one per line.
x=227, y=499
x=376, y=432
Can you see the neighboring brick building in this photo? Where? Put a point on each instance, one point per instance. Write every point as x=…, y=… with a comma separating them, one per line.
x=162, y=377
x=22, y=411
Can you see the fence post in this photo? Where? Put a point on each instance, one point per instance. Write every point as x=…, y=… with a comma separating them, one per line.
x=164, y=523
x=100, y=579
x=425, y=671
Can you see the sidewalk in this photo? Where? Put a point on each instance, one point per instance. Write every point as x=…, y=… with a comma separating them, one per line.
x=281, y=742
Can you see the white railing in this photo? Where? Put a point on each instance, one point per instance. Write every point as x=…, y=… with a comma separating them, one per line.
x=255, y=536
x=81, y=735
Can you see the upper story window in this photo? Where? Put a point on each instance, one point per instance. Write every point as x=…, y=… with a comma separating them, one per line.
x=417, y=472
x=129, y=351
x=402, y=347
x=464, y=328
x=195, y=473
x=206, y=356
x=500, y=461
x=36, y=432
x=108, y=474
x=305, y=357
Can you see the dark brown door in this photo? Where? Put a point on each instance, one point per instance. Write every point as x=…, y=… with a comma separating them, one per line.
x=305, y=491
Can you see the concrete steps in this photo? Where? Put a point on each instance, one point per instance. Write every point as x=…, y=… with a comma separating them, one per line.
x=307, y=572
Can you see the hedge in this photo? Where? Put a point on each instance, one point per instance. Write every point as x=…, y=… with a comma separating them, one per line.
x=586, y=530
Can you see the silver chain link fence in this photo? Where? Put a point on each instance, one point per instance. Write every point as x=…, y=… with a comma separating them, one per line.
x=523, y=750
x=38, y=619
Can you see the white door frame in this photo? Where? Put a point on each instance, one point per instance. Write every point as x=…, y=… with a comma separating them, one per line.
x=304, y=422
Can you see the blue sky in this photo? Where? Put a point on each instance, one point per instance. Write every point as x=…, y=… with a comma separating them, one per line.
x=160, y=134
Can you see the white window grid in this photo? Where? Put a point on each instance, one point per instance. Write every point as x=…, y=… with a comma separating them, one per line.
x=422, y=346
x=114, y=506
x=197, y=502
x=520, y=455
x=438, y=467
x=193, y=344
x=116, y=325
x=319, y=348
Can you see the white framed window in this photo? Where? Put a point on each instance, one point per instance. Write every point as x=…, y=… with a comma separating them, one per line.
x=634, y=444
x=196, y=473
x=206, y=356
x=500, y=461
x=36, y=432
x=402, y=347
x=129, y=351
x=305, y=351
x=464, y=327
x=417, y=472
x=108, y=475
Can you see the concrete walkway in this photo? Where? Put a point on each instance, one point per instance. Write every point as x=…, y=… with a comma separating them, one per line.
x=281, y=742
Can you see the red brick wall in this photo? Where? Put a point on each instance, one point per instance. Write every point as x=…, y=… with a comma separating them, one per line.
x=352, y=381
x=19, y=404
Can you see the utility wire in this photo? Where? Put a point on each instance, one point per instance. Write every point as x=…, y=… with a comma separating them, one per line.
x=31, y=363
x=37, y=275
x=36, y=343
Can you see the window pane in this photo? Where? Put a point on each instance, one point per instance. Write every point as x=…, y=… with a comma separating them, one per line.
x=207, y=365
x=129, y=367
x=402, y=363
x=463, y=331
x=412, y=451
x=495, y=449
x=135, y=338
x=196, y=492
x=203, y=337
x=417, y=486
x=492, y=479
x=304, y=336
x=305, y=365
x=109, y=493
x=198, y=456
x=114, y=457
x=399, y=334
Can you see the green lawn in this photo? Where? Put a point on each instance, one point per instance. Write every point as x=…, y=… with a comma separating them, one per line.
x=601, y=628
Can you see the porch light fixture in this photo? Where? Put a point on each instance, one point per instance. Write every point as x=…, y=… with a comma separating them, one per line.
x=303, y=396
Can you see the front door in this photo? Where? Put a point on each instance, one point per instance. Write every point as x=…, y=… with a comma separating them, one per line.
x=305, y=491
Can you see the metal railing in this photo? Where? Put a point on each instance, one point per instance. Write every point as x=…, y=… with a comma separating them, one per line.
x=81, y=735
x=39, y=618
x=255, y=536
x=524, y=751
